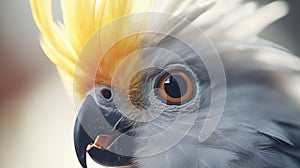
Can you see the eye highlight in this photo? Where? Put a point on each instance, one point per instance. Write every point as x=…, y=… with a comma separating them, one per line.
x=175, y=87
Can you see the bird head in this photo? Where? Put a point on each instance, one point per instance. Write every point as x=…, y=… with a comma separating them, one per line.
x=148, y=76
x=140, y=88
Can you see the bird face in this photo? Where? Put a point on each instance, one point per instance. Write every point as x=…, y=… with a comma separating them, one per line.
x=158, y=98
x=154, y=92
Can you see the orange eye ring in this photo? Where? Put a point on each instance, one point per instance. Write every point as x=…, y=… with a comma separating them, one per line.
x=176, y=99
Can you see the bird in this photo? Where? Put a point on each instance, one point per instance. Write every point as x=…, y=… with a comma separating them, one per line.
x=176, y=83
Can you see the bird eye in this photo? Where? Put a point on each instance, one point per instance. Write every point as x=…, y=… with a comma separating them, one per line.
x=175, y=87
x=106, y=93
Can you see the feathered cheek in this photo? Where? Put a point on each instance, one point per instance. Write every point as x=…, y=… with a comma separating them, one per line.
x=128, y=80
x=133, y=92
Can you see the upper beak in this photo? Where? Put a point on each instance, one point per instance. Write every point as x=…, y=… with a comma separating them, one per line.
x=94, y=131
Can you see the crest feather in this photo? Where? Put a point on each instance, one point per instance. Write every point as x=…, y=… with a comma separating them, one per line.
x=63, y=42
x=220, y=20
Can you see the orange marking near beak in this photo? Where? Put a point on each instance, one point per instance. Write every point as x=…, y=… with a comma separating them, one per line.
x=103, y=141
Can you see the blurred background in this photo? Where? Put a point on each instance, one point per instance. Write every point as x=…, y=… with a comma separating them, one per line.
x=36, y=115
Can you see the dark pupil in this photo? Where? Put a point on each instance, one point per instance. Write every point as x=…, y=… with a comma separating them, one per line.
x=175, y=86
x=106, y=93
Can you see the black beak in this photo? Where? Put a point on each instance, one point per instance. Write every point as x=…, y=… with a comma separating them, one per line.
x=91, y=122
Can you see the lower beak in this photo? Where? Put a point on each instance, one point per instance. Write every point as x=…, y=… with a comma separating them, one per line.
x=94, y=133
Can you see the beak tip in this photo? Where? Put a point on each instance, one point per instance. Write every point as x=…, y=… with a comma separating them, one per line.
x=82, y=161
x=81, y=141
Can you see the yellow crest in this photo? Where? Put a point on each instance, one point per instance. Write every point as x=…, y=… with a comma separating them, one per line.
x=63, y=42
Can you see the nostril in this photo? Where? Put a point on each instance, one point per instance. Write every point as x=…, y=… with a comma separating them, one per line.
x=106, y=93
